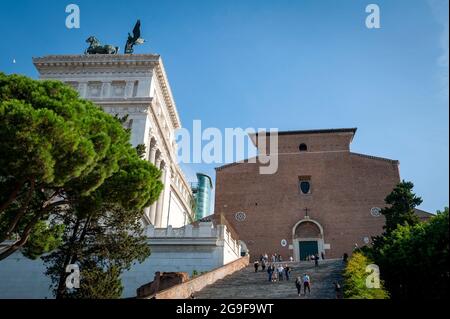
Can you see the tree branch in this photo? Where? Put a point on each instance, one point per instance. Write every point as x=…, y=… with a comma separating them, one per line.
x=23, y=238
x=13, y=224
x=26, y=232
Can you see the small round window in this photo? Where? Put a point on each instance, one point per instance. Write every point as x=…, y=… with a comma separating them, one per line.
x=375, y=211
x=240, y=216
x=302, y=147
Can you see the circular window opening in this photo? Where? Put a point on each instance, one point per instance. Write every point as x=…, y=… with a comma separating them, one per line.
x=302, y=147
x=375, y=211
x=240, y=216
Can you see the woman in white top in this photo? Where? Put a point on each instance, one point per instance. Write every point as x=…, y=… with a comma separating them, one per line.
x=280, y=272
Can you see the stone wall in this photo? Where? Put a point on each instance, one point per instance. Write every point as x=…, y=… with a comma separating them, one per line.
x=200, y=249
x=21, y=277
x=186, y=289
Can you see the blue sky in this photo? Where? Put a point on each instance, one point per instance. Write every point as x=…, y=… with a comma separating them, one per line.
x=285, y=64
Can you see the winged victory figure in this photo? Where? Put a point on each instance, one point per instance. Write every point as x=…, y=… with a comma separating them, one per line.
x=134, y=39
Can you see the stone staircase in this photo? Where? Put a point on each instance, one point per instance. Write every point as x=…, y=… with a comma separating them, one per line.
x=247, y=284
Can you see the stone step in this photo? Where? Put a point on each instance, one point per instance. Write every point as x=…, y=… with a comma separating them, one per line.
x=247, y=284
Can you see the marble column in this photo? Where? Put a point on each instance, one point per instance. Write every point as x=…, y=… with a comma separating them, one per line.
x=154, y=205
x=106, y=88
x=82, y=89
x=129, y=89
x=152, y=214
x=153, y=148
x=159, y=204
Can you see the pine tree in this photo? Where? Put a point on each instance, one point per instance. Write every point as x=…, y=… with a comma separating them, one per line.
x=401, y=210
x=62, y=157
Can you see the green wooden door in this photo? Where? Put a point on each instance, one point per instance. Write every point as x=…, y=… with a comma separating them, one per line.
x=308, y=248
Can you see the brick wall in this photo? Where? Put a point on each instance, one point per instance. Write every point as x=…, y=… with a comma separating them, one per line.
x=344, y=188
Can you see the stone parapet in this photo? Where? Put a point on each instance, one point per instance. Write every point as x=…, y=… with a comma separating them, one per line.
x=203, y=232
x=187, y=289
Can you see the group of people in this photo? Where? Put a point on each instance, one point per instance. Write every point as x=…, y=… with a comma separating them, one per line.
x=304, y=281
x=275, y=257
x=277, y=272
x=316, y=258
x=264, y=261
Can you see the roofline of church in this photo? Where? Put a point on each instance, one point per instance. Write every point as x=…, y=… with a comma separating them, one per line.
x=377, y=158
x=422, y=213
x=316, y=131
x=236, y=163
x=253, y=136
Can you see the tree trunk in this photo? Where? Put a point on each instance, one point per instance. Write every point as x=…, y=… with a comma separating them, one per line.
x=12, y=196
x=13, y=224
x=26, y=233
x=61, y=289
x=23, y=238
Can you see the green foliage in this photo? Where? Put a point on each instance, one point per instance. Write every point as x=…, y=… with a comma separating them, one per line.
x=402, y=202
x=413, y=256
x=43, y=239
x=52, y=136
x=62, y=155
x=140, y=149
x=415, y=259
x=355, y=280
x=106, y=241
x=135, y=185
x=98, y=283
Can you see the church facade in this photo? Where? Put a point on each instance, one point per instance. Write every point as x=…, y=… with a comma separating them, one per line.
x=323, y=198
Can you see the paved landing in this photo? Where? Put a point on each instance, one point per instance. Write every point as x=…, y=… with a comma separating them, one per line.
x=247, y=284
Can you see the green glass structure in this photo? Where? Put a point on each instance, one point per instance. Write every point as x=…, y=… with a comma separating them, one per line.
x=202, y=195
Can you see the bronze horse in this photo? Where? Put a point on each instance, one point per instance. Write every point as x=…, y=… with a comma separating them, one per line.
x=96, y=48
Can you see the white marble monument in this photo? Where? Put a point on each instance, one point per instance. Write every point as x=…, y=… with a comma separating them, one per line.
x=135, y=85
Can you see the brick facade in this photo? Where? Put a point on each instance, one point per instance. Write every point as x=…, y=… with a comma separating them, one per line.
x=345, y=186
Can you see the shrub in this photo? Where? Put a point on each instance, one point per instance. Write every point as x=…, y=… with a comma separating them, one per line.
x=355, y=280
x=415, y=259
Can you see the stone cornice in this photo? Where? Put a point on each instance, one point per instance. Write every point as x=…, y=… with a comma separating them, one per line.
x=102, y=63
x=145, y=101
x=174, y=241
x=168, y=97
x=99, y=60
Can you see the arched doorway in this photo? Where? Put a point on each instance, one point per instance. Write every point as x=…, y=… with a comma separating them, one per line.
x=307, y=237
